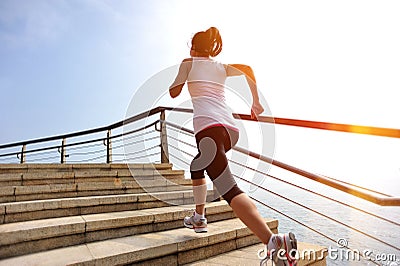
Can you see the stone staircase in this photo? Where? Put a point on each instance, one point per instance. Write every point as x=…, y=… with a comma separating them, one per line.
x=112, y=214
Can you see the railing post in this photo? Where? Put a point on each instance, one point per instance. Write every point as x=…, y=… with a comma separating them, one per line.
x=63, y=152
x=163, y=137
x=109, y=147
x=23, y=154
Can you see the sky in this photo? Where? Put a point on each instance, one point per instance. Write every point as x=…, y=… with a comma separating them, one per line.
x=67, y=66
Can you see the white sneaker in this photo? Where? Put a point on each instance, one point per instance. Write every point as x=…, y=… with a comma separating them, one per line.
x=285, y=252
x=198, y=226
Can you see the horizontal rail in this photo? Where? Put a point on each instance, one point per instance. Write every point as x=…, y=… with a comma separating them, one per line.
x=366, y=194
x=306, y=207
x=368, y=130
x=384, y=200
x=81, y=142
x=283, y=181
x=87, y=132
x=319, y=213
x=54, y=147
x=377, y=131
x=316, y=193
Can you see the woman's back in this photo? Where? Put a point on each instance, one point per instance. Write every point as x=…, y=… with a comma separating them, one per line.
x=206, y=84
x=207, y=78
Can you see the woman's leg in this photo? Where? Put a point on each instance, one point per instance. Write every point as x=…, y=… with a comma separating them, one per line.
x=198, y=221
x=219, y=172
x=244, y=208
x=247, y=212
x=197, y=169
x=199, y=194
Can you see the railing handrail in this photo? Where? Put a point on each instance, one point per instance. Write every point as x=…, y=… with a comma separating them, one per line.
x=254, y=183
x=348, y=128
x=366, y=194
x=377, y=131
x=87, y=132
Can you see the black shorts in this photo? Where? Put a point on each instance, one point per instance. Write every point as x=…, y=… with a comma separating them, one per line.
x=212, y=144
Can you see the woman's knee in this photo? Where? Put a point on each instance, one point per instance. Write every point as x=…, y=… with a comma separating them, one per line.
x=232, y=193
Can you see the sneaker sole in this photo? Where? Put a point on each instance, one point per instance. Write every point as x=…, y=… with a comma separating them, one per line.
x=190, y=226
x=196, y=229
x=290, y=242
x=290, y=246
x=201, y=229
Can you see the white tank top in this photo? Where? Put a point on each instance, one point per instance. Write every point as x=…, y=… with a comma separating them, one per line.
x=206, y=84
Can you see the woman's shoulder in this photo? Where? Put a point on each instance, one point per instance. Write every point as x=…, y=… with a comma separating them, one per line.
x=187, y=60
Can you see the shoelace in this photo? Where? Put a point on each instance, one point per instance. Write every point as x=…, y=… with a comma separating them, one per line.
x=268, y=256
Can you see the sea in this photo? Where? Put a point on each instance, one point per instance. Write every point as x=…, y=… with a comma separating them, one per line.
x=353, y=230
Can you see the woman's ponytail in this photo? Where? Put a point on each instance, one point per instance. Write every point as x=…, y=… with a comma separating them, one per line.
x=215, y=41
x=207, y=42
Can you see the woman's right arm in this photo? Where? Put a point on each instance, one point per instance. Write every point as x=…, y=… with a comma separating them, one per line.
x=176, y=87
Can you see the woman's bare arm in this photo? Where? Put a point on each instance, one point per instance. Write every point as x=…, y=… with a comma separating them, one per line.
x=176, y=90
x=176, y=87
x=240, y=69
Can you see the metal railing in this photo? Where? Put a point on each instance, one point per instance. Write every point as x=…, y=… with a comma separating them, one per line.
x=66, y=151
x=106, y=146
x=336, y=184
x=63, y=148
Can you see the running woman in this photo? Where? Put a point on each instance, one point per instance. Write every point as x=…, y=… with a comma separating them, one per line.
x=216, y=133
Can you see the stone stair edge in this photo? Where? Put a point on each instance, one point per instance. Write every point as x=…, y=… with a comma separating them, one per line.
x=17, y=214
x=138, y=247
x=79, y=187
x=89, y=173
x=84, y=165
x=7, y=186
x=48, y=204
x=25, y=231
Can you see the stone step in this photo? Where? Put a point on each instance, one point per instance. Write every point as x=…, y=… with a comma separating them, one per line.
x=53, y=208
x=34, y=236
x=308, y=255
x=79, y=176
x=172, y=247
x=26, y=168
x=81, y=189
